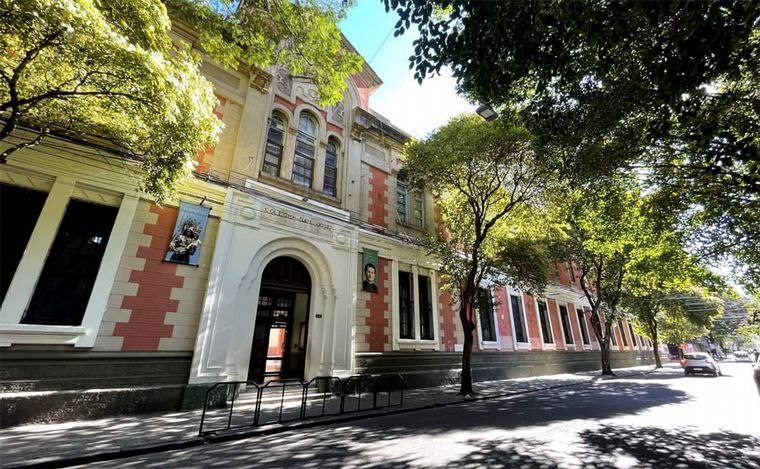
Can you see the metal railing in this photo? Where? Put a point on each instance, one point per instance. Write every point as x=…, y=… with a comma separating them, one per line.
x=319, y=397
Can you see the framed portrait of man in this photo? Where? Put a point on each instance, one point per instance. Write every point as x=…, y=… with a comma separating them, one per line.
x=369, y=270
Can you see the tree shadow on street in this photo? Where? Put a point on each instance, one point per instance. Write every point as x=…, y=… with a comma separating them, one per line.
x=658, y=448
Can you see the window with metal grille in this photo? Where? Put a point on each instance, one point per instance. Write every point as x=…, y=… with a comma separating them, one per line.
x=546, y=325
x=401, y=200
x=68, y=276
x=330, y=185
x=582, y=324
x=485, y=313
x=19, y=210
x=406, y=305
x=273, y=149
x=426, y=308
x=565, y=319
x=517, y=317
x=303, y=159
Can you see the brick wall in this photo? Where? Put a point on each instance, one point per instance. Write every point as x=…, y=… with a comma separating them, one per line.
x=449, y=319
x=531, y=317
x=502, y=319
x=378, y=198
x=155, y=305
x=373, y=313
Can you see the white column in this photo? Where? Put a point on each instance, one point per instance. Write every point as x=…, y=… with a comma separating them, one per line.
x=109, y=265
x=435, y=294
x=28, y=271
x=393, y=294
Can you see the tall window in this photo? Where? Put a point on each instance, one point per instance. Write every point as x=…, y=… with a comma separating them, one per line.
x=406, y=305
x=330, y=186
x=622, y=333
x=517, y=318
x=584, y=329
x=19, y=210
x=303, y=160
x=409, y=205
x=633, y=334
x=565, y=319
x=546, y=325
x=485, y=313
x=426, y=308
x=66, y=281
x=612, y=336
x=273, y=150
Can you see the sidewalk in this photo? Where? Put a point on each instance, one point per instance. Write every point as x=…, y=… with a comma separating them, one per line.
x=79, y=442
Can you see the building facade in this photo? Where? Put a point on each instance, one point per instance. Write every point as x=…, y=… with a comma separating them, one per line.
x=298, y=198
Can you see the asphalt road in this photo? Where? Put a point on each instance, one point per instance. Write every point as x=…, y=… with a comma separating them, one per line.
x=660, y=420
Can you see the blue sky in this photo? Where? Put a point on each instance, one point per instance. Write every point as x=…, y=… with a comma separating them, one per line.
x=416, y=109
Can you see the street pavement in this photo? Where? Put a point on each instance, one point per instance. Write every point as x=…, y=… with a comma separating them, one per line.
x=65, y=444
x=657, y=420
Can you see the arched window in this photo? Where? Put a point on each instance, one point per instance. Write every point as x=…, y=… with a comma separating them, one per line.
x=330, y=185
x=273, y=150
x=303, y=160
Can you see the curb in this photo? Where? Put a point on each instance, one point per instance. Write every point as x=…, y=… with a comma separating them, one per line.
x=57, y=462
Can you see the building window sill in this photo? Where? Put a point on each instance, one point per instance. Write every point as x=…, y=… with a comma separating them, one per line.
x=550, y=347
x=39, y=334
x=412, y=344
x=490, y=345
x=300, y=190
x=523, y=346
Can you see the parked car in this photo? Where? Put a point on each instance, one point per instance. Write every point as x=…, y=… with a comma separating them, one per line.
x=697, y=362
x=742, y=356
x=756, y=374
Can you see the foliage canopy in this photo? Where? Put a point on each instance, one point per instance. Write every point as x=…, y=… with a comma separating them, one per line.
x=674, y=84
x=302, y=36
x=106, y=69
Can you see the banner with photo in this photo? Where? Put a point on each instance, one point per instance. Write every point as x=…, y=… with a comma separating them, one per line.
x=369, y=270
x=185, y=246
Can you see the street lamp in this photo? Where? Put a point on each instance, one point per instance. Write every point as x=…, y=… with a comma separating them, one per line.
x=486, y=112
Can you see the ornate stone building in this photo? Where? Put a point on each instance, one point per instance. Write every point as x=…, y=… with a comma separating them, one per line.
x=299, y=196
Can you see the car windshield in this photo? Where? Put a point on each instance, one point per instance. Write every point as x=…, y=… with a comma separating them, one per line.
x=695, y=356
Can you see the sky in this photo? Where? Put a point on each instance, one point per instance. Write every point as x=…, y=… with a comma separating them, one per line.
x=416, y=109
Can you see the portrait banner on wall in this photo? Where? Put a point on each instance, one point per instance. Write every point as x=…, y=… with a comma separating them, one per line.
x=185, y=246
x=369, y=270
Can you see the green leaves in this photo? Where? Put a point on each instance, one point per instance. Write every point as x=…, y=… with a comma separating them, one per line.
x=667, y=91
x=489, y=188
x=301, y=36
x=112, y=72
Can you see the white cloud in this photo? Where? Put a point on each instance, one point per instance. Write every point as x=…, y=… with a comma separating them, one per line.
x=419, y=109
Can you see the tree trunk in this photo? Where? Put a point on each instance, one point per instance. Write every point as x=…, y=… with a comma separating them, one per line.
x=605, y=349
x=466, y=386
x=606, y=359
x=656, y=345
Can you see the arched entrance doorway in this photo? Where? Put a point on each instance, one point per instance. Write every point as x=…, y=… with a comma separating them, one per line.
x=278, y=350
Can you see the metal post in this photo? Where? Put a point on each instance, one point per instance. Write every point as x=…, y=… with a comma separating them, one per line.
x=232, y=405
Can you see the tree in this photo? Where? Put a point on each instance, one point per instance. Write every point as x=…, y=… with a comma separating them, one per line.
x=603, y=228
x=675, y=316
x=488, y=185
x=664, y=281
x=301, y=36
x=108, y=71
x=677, y=81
